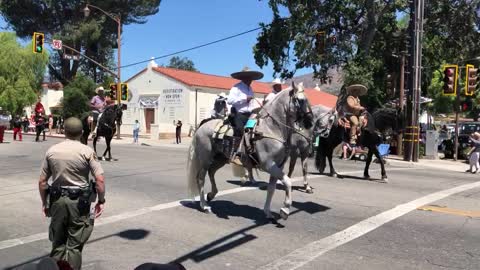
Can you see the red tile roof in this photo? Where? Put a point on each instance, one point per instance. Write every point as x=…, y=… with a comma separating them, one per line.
x=220, y=82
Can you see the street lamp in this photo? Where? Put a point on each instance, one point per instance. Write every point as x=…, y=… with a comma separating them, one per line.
x=116, y=18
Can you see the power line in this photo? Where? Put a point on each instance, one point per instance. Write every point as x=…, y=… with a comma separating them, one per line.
x=192, y=48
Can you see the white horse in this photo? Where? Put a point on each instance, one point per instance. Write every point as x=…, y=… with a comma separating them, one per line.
x=277, y=122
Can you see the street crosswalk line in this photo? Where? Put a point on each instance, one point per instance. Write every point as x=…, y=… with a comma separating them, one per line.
x=313, y=250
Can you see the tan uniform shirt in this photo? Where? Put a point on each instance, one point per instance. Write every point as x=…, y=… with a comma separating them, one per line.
x=69, y=163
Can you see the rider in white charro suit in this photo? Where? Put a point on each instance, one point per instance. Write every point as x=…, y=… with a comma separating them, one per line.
x=239, y=97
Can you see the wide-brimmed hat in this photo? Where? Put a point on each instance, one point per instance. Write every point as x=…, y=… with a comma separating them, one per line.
x=222, y=95
x=99, y=89
x=357, y=90
x=277, y=81
x=248, y=74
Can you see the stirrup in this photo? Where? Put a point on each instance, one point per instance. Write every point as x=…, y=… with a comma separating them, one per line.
x=236, y=160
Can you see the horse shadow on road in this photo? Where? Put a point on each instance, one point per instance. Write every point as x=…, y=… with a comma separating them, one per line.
x=237, y=238
x=263, y=185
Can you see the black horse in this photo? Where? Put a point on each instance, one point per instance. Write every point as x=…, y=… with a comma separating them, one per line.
x=382, y=120
x=106, y=128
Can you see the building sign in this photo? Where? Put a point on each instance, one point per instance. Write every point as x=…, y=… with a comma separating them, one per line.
x=148, y=101
x=172, y=96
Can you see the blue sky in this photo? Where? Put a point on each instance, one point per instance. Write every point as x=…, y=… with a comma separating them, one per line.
x=182, y=24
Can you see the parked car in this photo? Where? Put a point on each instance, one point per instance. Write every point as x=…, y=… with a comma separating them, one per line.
x=465, y=130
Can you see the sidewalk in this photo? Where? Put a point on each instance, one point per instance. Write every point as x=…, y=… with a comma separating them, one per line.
x=125, y=140
x=441, y=164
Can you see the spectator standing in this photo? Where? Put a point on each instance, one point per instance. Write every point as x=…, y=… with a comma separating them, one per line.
x=39, y=126
x=178, y=132
x=474, y=153
x=50, y=124
x=25, y=123
x=136, y=130
x=17, y=128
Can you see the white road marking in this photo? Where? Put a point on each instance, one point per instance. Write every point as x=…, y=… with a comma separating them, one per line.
x=145, y=210
x=310, y=252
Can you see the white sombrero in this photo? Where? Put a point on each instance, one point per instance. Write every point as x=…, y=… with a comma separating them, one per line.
x=246, y=73
x=99, y=89
x=277, y=81
x=357, y=90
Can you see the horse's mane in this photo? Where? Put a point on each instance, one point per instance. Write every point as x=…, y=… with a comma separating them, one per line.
x=385, y=118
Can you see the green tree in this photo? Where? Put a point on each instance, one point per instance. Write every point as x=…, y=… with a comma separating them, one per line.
x=181, y=63
x=76, y=97
x=368, y=35
x=21, y=73
x=95, y=36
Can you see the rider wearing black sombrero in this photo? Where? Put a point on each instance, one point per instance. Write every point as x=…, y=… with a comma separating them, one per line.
x=353, y=109
x=239, y=97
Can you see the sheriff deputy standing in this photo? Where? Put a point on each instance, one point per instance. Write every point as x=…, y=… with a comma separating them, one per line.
x=71, y=193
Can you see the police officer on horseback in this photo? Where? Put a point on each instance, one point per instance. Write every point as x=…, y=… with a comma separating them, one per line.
x=239, y=97
x=353, y=110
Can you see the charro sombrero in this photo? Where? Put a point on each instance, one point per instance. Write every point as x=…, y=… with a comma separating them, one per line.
x=357, y=90
x=277, y=81
x=99, y=89
x=246, y=73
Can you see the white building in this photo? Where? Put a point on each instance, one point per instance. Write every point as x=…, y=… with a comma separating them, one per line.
x=159, y=96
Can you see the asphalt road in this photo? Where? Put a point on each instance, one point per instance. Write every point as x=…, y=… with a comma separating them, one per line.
x=346, y=223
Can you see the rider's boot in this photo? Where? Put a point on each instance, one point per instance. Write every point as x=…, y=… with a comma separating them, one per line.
x=235, y=153
x=353, y=135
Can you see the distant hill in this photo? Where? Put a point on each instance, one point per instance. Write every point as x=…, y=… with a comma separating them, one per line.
x=332, y=87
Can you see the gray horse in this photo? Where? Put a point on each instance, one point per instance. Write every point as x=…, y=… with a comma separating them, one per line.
x=302, y=143
x=277, y=122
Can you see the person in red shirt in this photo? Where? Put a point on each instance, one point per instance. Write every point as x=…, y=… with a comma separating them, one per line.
x=39, y=106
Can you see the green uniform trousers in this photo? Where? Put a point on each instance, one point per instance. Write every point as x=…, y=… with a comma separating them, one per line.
x=70, y=229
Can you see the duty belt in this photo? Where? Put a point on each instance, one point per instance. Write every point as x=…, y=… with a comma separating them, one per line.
x=71, y=192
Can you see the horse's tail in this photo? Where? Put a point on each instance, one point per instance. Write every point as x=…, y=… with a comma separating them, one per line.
x=321, y=155
x=192, y=168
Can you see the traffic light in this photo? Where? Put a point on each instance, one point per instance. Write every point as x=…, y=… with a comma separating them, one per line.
x=450, y=80
x=320, y=42
x=467, y=105
x=113, y=91
x=38, y=39
x=390, y=85
x=471, y=80
x=124, y=92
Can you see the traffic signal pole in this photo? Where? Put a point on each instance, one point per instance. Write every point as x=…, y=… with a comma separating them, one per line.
x=457, y=109
x=119, y=45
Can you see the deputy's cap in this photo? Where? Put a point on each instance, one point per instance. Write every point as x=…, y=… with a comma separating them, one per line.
x=73, y=127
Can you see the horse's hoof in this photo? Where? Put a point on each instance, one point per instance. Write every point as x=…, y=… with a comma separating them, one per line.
x=334, y=175
x=284, y=212
x=308, y=189
x=210, y=196
x=366, y=176
x=103, y=158
x=384, y=179
x=207, y=209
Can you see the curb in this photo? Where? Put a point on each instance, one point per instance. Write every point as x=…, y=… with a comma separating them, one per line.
x=455, y=167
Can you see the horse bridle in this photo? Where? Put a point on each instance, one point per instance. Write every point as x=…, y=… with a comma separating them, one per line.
x=293, y=129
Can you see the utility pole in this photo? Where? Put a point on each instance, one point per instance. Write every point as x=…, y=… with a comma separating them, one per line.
x=401, y=102
x=418, y=75
x=412, y=132
x=409, y=131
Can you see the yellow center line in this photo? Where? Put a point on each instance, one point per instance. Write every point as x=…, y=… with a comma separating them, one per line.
x=450, y=211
